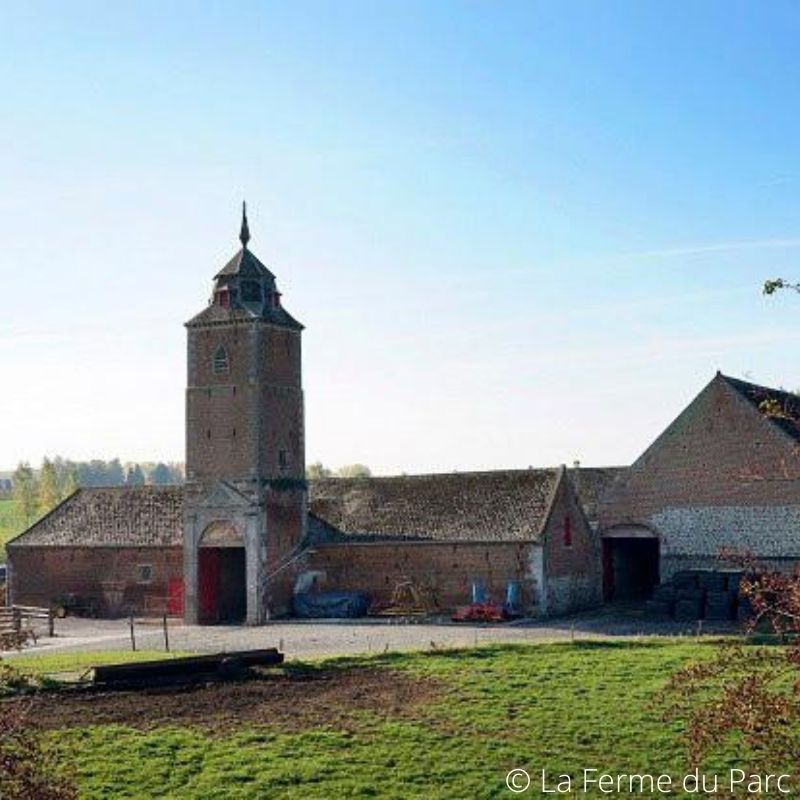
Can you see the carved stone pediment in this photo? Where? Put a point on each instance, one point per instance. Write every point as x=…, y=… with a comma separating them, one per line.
x=223, y=495
x=221, y=533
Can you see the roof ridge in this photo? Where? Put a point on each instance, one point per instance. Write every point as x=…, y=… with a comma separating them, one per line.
x=127, y=487
x=731, y=379
x=787, y=423
x=412, y=476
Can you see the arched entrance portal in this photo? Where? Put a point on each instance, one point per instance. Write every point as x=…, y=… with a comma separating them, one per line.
x=631, y=567
x=221, y=575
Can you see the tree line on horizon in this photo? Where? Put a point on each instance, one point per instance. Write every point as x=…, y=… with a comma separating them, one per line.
x=38, y=490
x=319, y=470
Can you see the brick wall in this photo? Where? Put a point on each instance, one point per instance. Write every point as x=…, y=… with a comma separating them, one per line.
x=221, y=434
x=239, y=421
x=572, y=566
x=110, y=576
x=449, y=569
x=719, y=476
x=281, y=427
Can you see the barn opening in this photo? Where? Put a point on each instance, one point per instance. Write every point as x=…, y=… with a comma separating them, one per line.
x=221, y=576
x=630, y=566
x=221, y=583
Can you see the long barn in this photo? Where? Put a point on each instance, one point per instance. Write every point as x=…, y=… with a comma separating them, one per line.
x=234, y=541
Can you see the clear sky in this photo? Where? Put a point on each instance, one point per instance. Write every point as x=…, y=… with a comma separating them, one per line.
x=518, y=233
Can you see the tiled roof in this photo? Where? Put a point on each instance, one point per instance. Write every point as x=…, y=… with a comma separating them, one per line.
x=510, y=505
x=129, y=516
x=463, y=506
x=591, y=485
x=781, y=408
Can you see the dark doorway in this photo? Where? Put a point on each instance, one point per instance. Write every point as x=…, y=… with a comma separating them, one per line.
x=222, y=593
x=630, y=567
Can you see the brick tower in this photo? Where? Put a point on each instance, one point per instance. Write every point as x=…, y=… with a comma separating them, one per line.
x=245, y=458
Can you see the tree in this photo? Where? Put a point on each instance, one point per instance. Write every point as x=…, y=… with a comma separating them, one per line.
x=354, y=471
x=135, y=476
x=773, y=285
x=747, y=694
x=49, y=494
x=317, y=470
x=115, y=474
x=69, y=481
x=26, y=492
x=160, y=475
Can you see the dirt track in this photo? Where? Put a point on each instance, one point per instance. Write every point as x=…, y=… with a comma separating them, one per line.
x=293, y=700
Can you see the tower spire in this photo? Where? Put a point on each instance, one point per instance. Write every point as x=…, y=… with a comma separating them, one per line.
x=244, y=234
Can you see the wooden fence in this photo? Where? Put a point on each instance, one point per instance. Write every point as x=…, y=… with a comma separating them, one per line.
x=21, y=619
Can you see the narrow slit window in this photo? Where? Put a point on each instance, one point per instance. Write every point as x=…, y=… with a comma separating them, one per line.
x=567, y=532
x=220, y=363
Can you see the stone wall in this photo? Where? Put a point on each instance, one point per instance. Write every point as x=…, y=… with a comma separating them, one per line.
x=112, y=577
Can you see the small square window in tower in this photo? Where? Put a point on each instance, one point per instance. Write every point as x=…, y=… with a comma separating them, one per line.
x=219, y=362
x=144, y=573
x=283, y=459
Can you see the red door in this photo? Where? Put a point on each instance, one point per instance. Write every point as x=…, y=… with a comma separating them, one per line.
x=175, y=597
x=208, y=584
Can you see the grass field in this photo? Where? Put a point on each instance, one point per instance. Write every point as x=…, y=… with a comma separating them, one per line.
x=57, y=665
x=10, y=524
x=433, y=725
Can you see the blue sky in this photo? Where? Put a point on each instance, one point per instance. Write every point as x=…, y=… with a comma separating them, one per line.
x=518, y=233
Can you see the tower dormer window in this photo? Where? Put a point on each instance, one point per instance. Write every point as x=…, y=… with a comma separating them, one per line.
x=251, y=292
x=219, y=362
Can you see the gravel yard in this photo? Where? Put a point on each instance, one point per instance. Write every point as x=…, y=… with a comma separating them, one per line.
x=305, y=640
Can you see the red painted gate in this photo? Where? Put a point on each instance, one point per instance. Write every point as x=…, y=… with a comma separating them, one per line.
x=209, y=583
x=175, y=597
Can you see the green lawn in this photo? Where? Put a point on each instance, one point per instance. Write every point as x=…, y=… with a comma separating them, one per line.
x=562, y=707
x=58, y=665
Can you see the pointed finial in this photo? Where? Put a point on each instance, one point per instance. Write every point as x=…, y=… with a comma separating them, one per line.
x=244, y=234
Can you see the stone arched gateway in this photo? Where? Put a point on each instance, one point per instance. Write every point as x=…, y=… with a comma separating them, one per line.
x=631, y=562
x=224, y=558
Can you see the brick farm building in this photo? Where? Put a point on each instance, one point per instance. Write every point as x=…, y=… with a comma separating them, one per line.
x=246, y=528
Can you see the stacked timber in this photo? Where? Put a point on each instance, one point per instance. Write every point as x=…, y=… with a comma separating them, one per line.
x=698, y=594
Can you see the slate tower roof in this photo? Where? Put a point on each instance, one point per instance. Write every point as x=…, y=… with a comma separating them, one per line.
x=245, y=289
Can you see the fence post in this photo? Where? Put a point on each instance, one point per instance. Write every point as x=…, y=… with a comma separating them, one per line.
x=16, y=619
x=51, y=623
x=133, y=637
x=166, y=634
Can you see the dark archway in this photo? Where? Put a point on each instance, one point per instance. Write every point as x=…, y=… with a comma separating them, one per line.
x=631, y=567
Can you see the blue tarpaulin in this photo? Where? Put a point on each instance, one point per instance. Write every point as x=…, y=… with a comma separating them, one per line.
x=331, y=605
